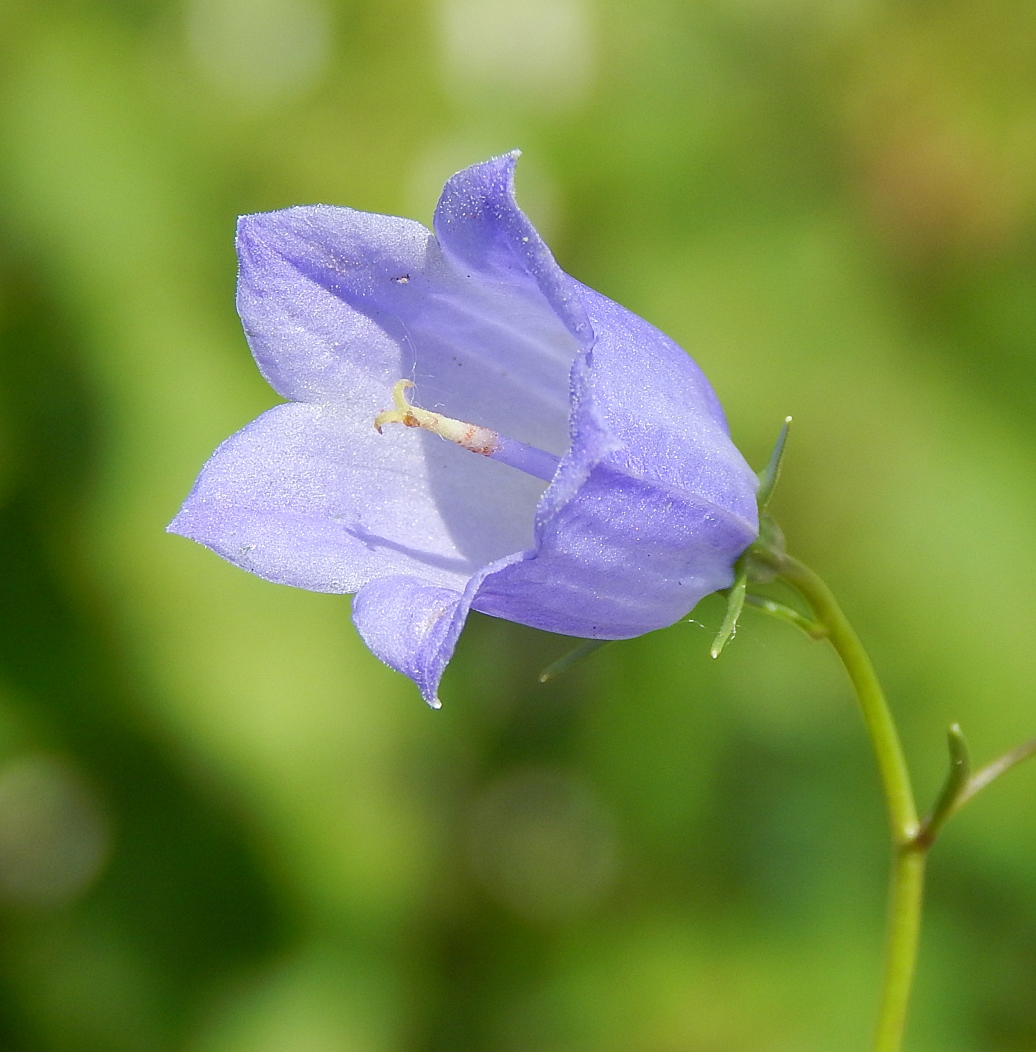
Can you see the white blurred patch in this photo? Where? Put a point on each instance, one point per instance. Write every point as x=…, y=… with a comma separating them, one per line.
x=54, y=835
x=537, y=192
x=260, y=50
x=531, y=51
x=541, y=843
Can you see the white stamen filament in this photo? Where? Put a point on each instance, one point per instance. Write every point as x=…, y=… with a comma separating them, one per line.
x=470, y=436
x=476, y=439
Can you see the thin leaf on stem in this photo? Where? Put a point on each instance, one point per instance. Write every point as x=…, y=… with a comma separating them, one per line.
x=961, y=785
x=956, y=783
x=978, y=781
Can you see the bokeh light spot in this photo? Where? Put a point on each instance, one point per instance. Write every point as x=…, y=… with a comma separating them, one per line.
x=54, y=835
x=538, y=52
x=260, y=50
x=541, y=843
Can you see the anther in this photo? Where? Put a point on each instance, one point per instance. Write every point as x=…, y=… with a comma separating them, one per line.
x=471, y=437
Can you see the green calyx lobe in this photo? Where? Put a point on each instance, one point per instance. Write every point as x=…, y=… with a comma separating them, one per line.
x=760, y=562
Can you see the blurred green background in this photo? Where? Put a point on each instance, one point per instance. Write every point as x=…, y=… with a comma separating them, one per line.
x=224, y=827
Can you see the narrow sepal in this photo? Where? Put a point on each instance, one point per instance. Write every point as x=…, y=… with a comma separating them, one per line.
x=813, y=629
x=769, y=476
x=735, y=604
x=573, y=657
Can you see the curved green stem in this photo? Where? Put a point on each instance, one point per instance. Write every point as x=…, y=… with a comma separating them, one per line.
x=909, y=853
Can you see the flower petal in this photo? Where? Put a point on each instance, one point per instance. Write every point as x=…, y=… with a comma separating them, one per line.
x=312, y=496
x=337, y=303
x=296, y=270
x=413, y=626
x=651, y=507
x=651, y=397
x=624, y=556
x=480, y=226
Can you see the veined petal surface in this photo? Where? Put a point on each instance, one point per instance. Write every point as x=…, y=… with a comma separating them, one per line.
x=652, y=505
x=412, y=626
x=312, y=496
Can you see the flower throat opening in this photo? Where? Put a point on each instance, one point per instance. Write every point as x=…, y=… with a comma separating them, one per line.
x=472, y=437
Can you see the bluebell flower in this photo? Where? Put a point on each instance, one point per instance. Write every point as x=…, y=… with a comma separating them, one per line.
x=467, y=428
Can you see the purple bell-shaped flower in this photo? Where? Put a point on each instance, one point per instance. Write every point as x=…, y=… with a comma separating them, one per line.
x=468, y=427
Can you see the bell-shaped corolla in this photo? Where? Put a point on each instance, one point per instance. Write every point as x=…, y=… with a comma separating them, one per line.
x=467, y=428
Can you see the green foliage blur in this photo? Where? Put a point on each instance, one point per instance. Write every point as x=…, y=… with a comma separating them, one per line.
x=224, y=827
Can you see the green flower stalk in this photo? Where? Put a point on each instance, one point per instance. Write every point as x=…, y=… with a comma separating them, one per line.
x=766, y=561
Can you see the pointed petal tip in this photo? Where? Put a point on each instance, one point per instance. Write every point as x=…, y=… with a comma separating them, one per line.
x=254, y=226
x=183, y=523
x=245, y=223
x=247, y=236
x=509, y=161
x=412, y=626
x=508, y=158
x=183, y=526
x=502, y=165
